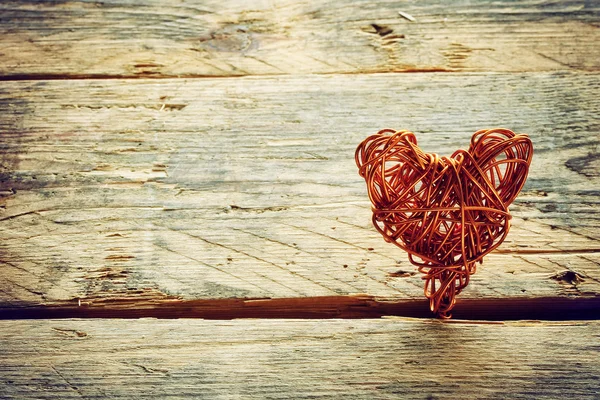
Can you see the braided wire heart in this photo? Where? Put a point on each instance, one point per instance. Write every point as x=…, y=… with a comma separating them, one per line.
x=447, y=213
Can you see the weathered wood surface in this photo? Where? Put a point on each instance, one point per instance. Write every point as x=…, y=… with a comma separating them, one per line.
x=229, y=198
x=300, y=359
x=232, y=38
x=148, y=190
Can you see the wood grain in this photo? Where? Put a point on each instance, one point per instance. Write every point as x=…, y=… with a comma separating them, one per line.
x=301, y=359
x=246, y=188
x=135, y=181
x=83, y=39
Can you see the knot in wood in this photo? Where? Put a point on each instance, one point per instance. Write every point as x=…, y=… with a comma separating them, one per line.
x=447, y=213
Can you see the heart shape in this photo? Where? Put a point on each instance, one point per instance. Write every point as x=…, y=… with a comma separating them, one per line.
x=446, y=212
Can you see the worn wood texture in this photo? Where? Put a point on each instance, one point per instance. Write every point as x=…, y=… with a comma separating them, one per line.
x=300, y=359
x=232, y=38
x=247, y=188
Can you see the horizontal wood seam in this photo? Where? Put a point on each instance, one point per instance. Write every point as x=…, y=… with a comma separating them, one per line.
x=159, y=76
x=321, y=307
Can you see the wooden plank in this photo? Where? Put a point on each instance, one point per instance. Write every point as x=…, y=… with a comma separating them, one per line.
x=232, y=38
x=301, y=359
x=246, y=188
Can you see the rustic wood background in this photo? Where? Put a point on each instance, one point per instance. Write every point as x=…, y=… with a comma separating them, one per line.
x=196, y=159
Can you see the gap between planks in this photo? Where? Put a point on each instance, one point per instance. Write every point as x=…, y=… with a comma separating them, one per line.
x=81, y=77
x=320, y=307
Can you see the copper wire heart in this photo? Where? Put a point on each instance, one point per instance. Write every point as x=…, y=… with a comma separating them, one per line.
x=446, y=212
